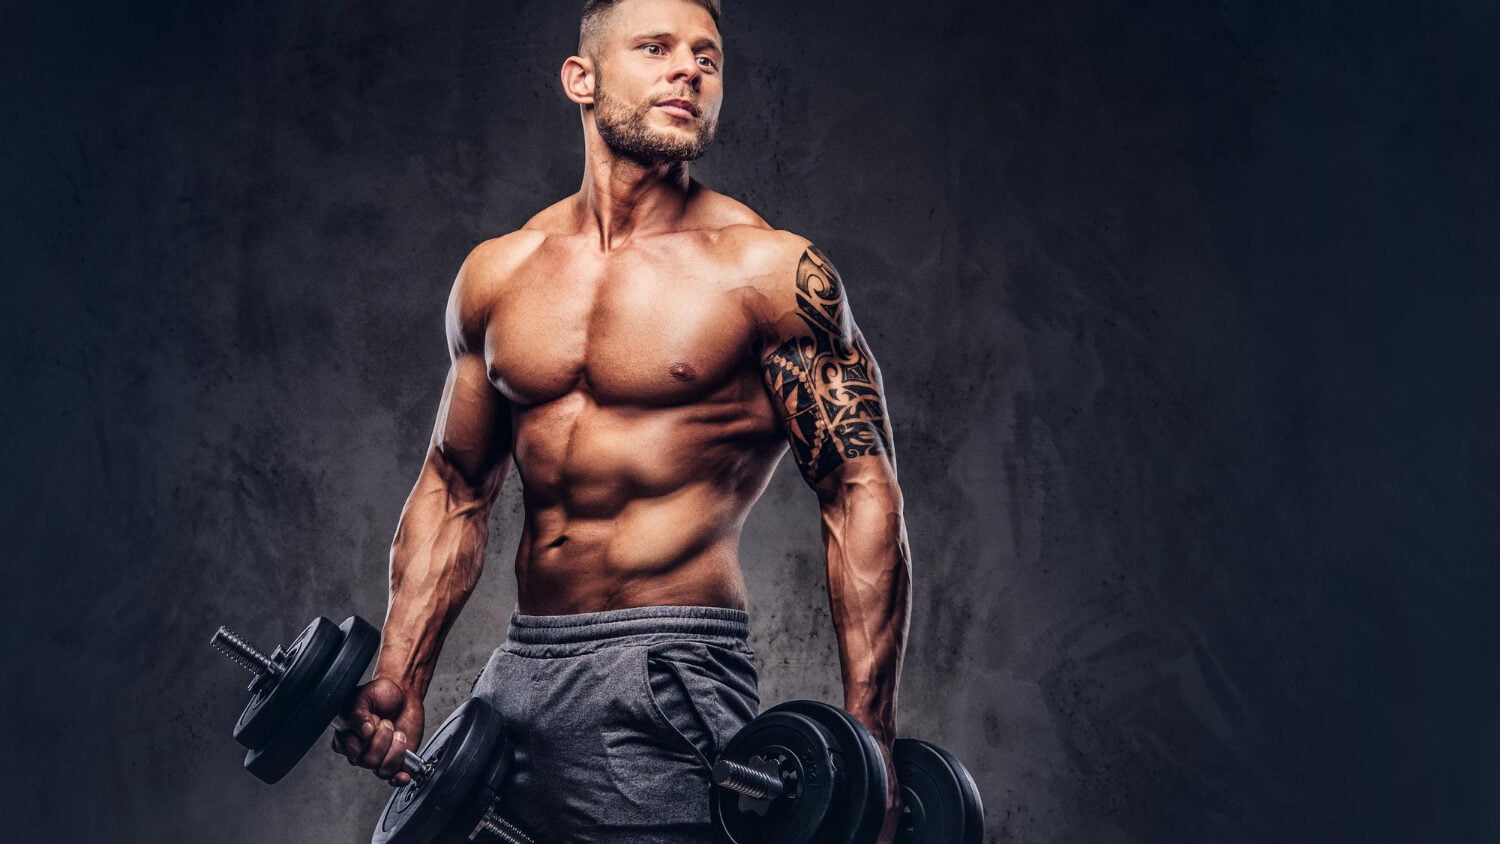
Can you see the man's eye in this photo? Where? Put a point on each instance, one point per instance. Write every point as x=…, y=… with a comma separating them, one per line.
x=653, y=49
x=707, y=62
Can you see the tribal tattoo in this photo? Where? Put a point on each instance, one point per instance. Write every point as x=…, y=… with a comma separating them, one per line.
x=825, y=380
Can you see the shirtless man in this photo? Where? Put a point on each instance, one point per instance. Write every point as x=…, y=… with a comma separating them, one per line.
x=643, y=351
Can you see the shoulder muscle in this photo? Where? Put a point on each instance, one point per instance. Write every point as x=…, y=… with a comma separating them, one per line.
x=478, y=283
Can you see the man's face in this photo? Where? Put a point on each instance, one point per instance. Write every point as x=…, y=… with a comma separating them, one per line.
x=658, y=83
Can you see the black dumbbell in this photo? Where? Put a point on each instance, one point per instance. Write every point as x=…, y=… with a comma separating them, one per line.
x=299, y=690
x=808, y=773
x=940, y=803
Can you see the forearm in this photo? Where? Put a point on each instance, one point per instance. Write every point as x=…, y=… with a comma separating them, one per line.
x=436, y=560
x=869, y=590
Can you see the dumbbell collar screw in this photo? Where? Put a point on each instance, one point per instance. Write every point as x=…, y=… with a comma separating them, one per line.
x=265, y=668
x=758, y=781
x=500, y=828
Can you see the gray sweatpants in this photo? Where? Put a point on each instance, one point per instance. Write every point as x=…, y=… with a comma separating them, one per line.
x=616, y=717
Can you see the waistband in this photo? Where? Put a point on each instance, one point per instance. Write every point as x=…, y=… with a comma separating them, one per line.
x=627, y=624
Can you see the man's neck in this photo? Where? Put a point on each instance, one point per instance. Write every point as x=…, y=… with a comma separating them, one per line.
x=621, y=197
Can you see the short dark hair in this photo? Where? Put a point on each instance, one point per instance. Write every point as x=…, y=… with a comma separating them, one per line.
x=594, y=12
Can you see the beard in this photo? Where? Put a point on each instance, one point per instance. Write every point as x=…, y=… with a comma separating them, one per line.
x=626, y=131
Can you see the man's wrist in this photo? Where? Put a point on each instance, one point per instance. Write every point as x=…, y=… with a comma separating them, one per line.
x=880, y=723
x=413, y=683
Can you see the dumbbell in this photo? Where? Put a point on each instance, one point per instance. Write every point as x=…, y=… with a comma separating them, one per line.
x=805, y=772
x=300, y=689
x=939, y=800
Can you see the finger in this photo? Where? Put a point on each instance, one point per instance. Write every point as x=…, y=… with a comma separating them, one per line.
x=394, y=756
x=348, y=745
x=357, y=722
x=357, y=727
x=379, y=743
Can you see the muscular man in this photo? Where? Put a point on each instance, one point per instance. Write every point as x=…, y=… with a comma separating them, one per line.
x=643, y=351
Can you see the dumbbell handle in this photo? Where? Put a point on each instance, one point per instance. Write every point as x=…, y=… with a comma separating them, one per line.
x=227, y=642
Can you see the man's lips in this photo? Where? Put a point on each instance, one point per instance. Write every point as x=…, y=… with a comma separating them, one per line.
x=680, y=109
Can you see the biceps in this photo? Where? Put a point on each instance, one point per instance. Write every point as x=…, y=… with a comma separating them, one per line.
x=828, y=394
x=471, y=438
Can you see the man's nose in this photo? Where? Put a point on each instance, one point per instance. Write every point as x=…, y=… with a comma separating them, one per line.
x=685, y=68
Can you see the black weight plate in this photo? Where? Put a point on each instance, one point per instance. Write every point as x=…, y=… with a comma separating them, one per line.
x=815, y=793
x=942, y=803
x=859, y=758
x=486, y=792
x=274, y=702
x=880, y=781
x=459, y=754
x=319, y=706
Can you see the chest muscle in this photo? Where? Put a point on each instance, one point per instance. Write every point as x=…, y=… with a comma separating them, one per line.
x=635, y=334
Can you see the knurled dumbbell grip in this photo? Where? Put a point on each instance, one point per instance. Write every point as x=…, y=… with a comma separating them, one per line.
x=501, y=829
x=743, y=779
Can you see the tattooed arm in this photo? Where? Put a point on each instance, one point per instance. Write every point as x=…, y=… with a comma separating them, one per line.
x=826, y=388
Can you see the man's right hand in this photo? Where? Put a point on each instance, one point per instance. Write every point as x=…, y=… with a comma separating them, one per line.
x=385, y=719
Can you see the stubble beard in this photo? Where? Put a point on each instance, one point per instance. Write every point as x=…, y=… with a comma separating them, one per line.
x=626, y=131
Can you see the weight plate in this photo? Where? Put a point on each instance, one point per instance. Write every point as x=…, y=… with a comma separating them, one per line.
x=880, y=780
x=860, y=760
x=274, y=700
x=318, y=707
x=459, y=754
x=485, y=794
x=814, y=796
x=941, y=803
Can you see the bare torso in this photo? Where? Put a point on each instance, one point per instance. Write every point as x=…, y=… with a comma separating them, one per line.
x=642, y=430
x=643, y=352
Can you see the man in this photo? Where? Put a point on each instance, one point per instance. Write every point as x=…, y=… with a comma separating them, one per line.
x=643, y=351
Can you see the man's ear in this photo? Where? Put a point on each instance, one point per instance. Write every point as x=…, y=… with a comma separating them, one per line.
x=579, y=79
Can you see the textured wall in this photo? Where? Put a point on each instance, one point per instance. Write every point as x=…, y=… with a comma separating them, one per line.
x=1184, y=310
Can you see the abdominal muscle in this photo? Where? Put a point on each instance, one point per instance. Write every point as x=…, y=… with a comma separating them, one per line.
x=629, y=507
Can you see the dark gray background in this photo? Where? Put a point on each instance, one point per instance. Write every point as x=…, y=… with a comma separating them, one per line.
x=1185, y=309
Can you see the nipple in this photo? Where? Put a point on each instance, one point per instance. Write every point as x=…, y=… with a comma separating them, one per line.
x=683, y=371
